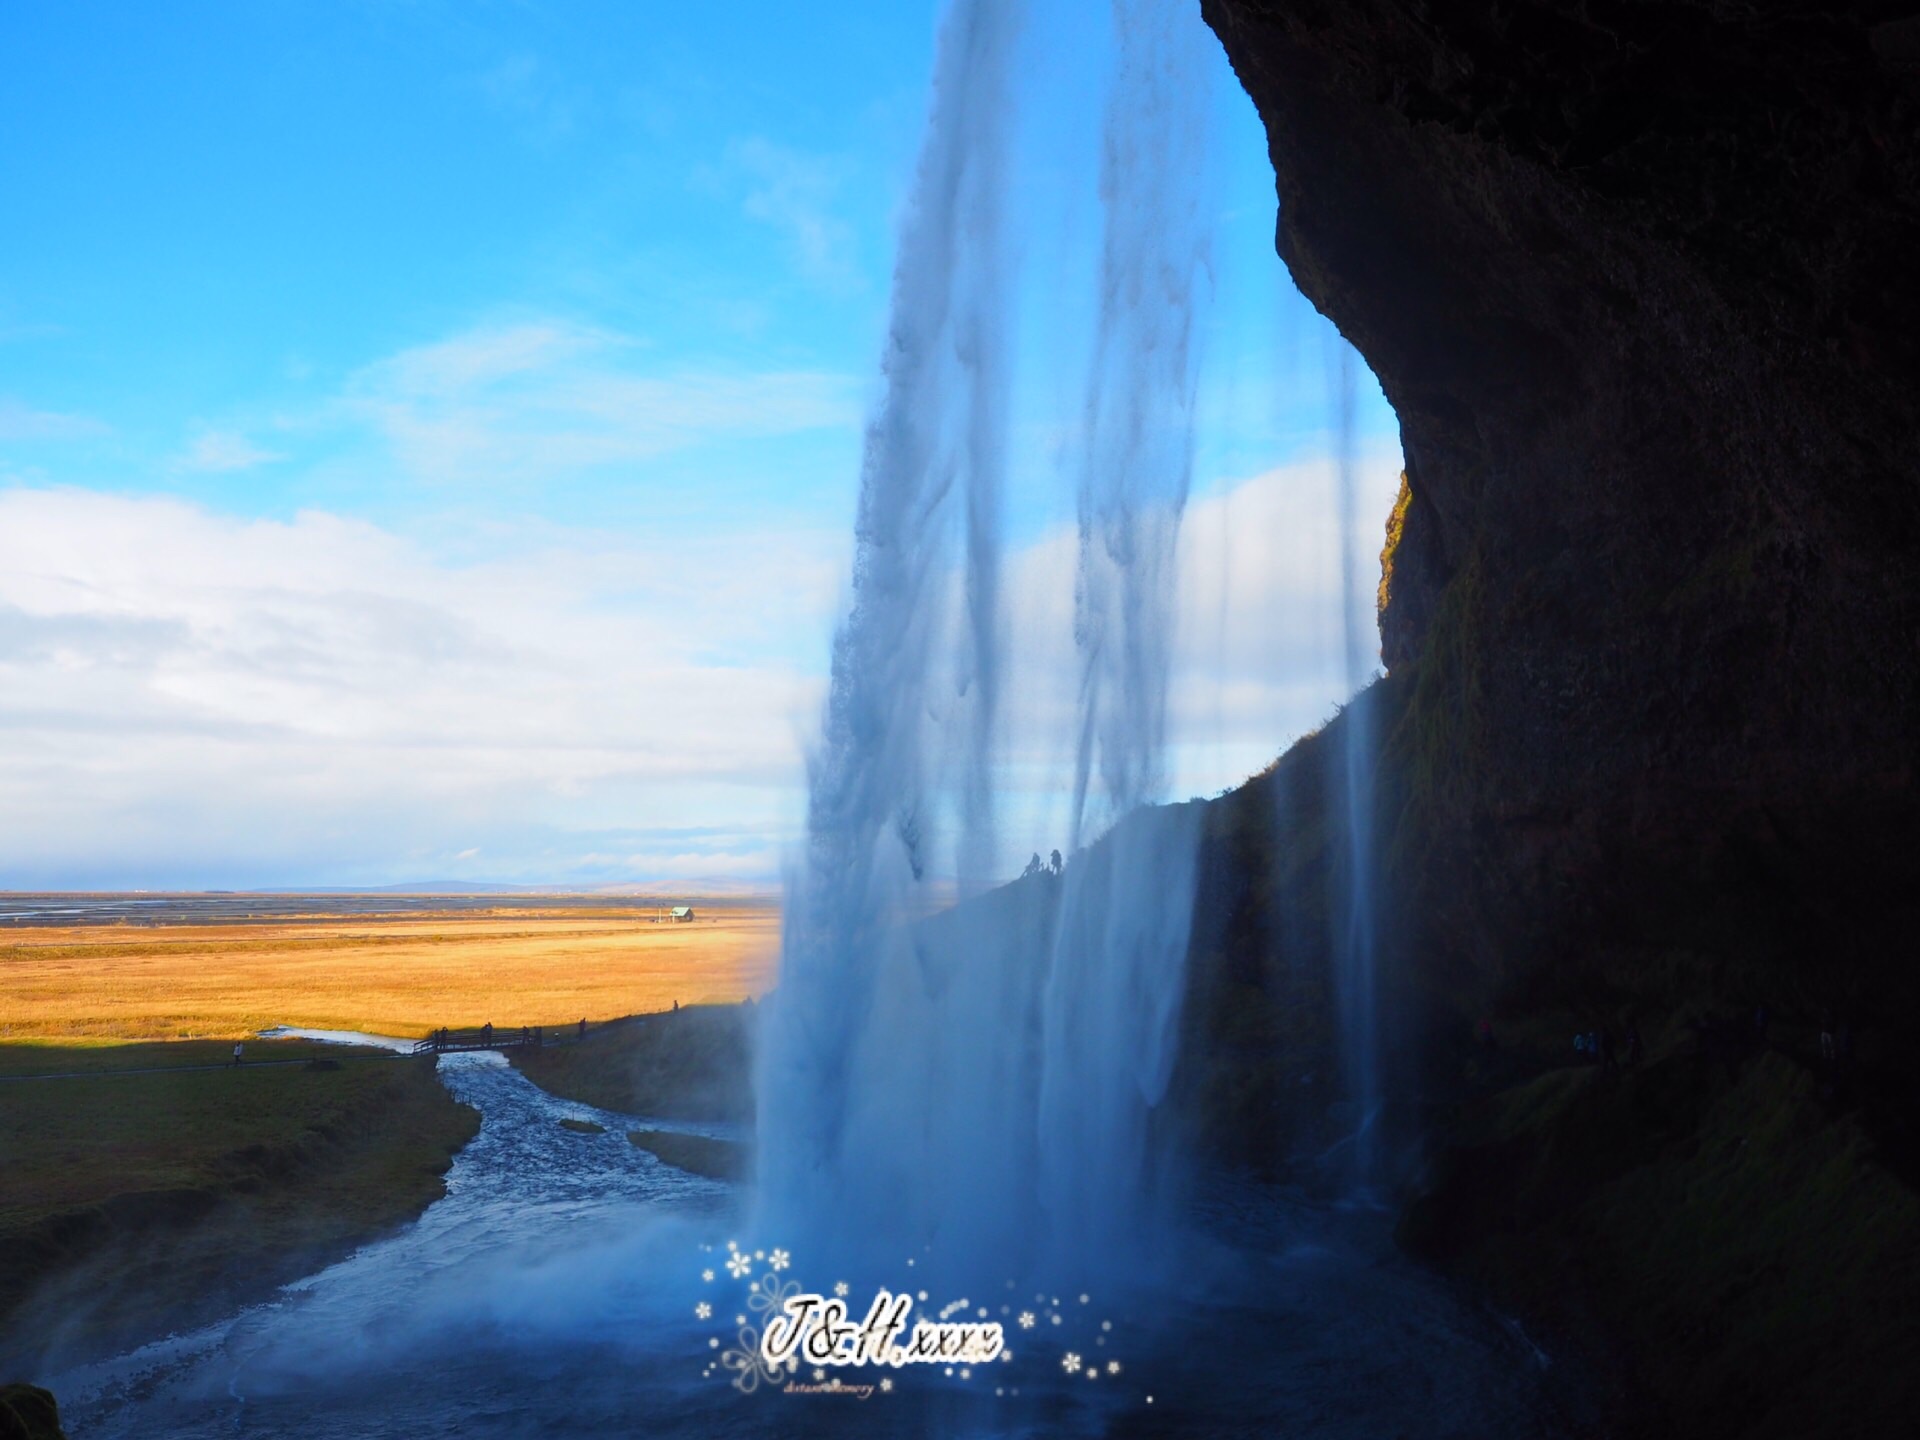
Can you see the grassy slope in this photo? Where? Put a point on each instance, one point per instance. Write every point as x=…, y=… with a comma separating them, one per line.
x=1719, y=1227
x=123, y=1193
x=687, y=1064
x=696, y=1154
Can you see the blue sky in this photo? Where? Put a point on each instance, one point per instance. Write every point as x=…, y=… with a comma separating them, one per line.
x=428, y=431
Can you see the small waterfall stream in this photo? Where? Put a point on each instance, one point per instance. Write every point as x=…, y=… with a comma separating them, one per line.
x=1354, y=906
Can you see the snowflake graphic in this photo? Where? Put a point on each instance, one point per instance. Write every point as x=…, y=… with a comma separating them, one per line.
x=1070, y=1363
x=779, y=1260
x=707, y=1275
x=750, y=1368
x=1113, y=1367
x=739, y=1265
x=769, y=1296
x=886, y=1385
x=840, y=1288
x=818, y=1376
x=1026, y=1320
x=703, y=1311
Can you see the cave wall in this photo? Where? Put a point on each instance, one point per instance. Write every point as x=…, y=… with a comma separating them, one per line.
x=1641, y=282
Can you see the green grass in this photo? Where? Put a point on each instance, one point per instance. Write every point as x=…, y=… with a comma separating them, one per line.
x=696, y=1154
x=688, y=1064
x=1438, y=742
x=38, y=1056
x=124, y=1192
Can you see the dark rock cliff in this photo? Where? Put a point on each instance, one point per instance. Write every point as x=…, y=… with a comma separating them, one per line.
x=1642, y=282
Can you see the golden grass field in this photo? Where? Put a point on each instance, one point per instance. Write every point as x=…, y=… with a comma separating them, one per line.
x=515, y=964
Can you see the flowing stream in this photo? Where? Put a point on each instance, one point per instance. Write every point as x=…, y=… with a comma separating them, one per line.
x=553, y=1292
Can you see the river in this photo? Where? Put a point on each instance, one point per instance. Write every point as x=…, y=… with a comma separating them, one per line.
x=554, y=1291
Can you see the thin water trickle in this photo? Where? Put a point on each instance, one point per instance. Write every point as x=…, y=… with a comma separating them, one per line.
x=1354, y=908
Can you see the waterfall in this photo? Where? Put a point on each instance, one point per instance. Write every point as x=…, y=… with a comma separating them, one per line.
x=1138, y=442
x=1353, y=909
x=869, y=805
x=972, y=1087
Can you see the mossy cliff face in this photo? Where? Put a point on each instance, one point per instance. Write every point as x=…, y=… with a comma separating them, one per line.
x=1639, y=281
x=1720, y=1238
x=1259, y=1081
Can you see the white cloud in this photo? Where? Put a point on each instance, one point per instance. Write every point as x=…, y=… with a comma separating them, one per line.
x=526, y=89
x=1256, y=658
x=19, y=421
x=186, y=697
x=223, y=451
x=795, y=193
x=544, y=397
x=191, y=698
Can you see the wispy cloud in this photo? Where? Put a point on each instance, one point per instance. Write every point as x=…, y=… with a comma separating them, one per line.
x=543, y=397
x=12, y=332
x=19, y=421
x=797, y=194
x=528, y=90
x=221, y=451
